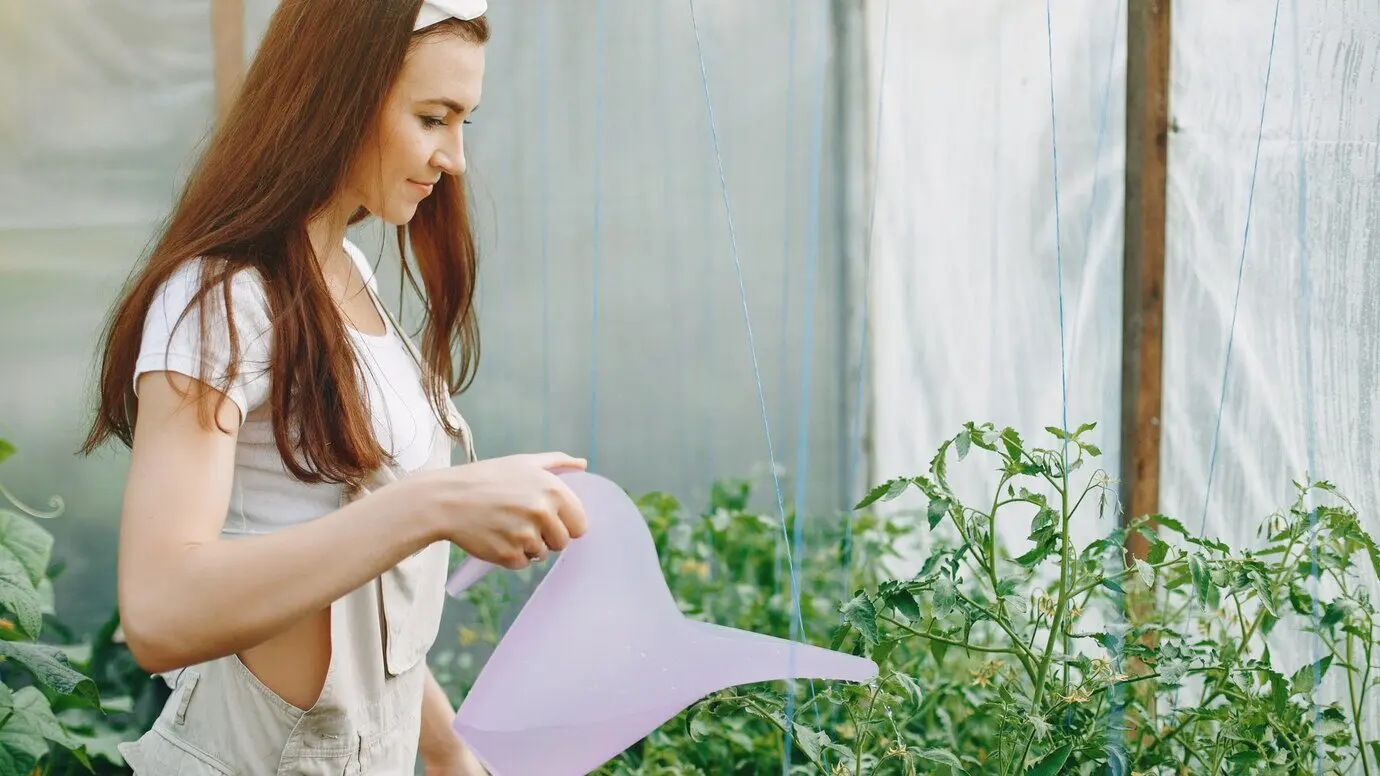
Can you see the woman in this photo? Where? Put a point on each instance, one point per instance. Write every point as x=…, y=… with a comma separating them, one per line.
x=291, y=497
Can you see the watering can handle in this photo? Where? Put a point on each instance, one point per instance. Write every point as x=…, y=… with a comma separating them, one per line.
x=469, y=571
x=472, y=570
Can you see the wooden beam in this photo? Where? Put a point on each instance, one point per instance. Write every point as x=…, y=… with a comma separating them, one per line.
x=1147, y=157
x=227, y=50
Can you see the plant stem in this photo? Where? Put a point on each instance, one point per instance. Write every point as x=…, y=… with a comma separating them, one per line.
x=857, y=755
x=1246, y=636
x=1057, y=623
x=1019, y=761
x=950, y=642
x=780, y=726
x=1023, y=650
x=1356, y=707
x=1218, y=751
x=992, y=541
x=1124, y=573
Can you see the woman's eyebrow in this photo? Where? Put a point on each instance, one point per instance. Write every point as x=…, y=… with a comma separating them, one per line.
x=449, y=103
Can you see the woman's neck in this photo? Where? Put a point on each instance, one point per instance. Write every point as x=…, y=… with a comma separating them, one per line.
x=327, y=231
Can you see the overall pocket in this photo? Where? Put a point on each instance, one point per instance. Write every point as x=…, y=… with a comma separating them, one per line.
x=411, y=596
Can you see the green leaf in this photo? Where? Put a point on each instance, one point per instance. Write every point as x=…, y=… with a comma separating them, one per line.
x=945, y=594
x=18, y=595
x=1303, y=680
x=904, y=602
x=938, y=650
x=938, y=508
x=912, y=688
x=809, y=740
x=700, y=724
x=1085, y=428
x=1170, y=523
x=1159, y=550
x=1145, y=572
x=1039, y=552
x=943, y=757
x=29, y=724
x=1279, y=693
x=964, y=443
x=1375, y=745
x=27, y=542
x=1058, y=433
x=1014, y=445
x=1262, y=590
x=1211, y=544
x=50, y=668
x=837, y=634
x=1202, y=581
x=1052, y=762
x=6, y=450
x=939, y=464
x=1171, y=672
x=21, y=743
x=1112, y=585
x=885, y=492
x=1093, y=450
x=861, y=614
x=883, y=651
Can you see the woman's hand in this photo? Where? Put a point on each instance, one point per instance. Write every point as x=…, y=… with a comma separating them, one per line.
x=508, y=511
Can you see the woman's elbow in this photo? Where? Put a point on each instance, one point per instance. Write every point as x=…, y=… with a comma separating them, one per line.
x=150, y=639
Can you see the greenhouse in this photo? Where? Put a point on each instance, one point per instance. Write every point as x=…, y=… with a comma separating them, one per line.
x=977, y=387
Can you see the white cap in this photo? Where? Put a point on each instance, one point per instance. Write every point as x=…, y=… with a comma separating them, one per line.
x=434, y=11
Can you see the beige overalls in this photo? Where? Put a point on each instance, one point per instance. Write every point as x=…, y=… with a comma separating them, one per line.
x=222, y=720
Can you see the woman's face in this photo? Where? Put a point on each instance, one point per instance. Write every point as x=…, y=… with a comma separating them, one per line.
x=420, y=133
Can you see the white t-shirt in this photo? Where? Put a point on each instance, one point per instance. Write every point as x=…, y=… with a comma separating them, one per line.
x=264, y=496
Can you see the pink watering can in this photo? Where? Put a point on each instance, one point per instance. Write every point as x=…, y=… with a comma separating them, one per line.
x=600, y=656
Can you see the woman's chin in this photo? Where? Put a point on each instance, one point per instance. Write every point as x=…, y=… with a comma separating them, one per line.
x=397, y=216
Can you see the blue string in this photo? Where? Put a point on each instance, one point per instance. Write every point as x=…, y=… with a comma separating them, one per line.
x=855, y=448
x=742, y=293
x=786, y=223
x=1310, y=429
x=994, y=249
x=671, y=246
x=786, y=257
x=1102, y=131
x=598, y=203
x=1240, y=273
x=1058, y=234
x=806, y=383
x=1117, y=704
x=546, y=227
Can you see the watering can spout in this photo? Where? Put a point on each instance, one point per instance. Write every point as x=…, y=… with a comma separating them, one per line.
x=601, y=655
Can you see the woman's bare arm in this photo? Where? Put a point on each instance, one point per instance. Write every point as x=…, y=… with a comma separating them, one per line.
x=185, y=594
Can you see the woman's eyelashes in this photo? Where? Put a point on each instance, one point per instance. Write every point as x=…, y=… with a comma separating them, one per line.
x=431, y=122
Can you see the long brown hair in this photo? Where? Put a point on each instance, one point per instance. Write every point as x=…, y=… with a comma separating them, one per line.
x=315, y=89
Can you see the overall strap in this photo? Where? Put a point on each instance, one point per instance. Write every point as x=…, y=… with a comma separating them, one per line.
x=456, y=419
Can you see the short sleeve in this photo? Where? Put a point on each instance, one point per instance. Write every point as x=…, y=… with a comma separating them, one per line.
x=174, y=345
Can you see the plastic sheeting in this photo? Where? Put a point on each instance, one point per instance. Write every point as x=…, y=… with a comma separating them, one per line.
x=1322, y=138
x=966, y=255
x=105, y=104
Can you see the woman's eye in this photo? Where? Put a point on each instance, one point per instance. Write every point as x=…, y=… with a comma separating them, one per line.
x=433, y=121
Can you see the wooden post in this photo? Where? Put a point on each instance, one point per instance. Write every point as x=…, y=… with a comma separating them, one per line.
x=227, y=50
x=1147, y=145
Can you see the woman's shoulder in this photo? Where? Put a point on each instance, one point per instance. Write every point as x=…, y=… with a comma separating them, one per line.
x=246, y=285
